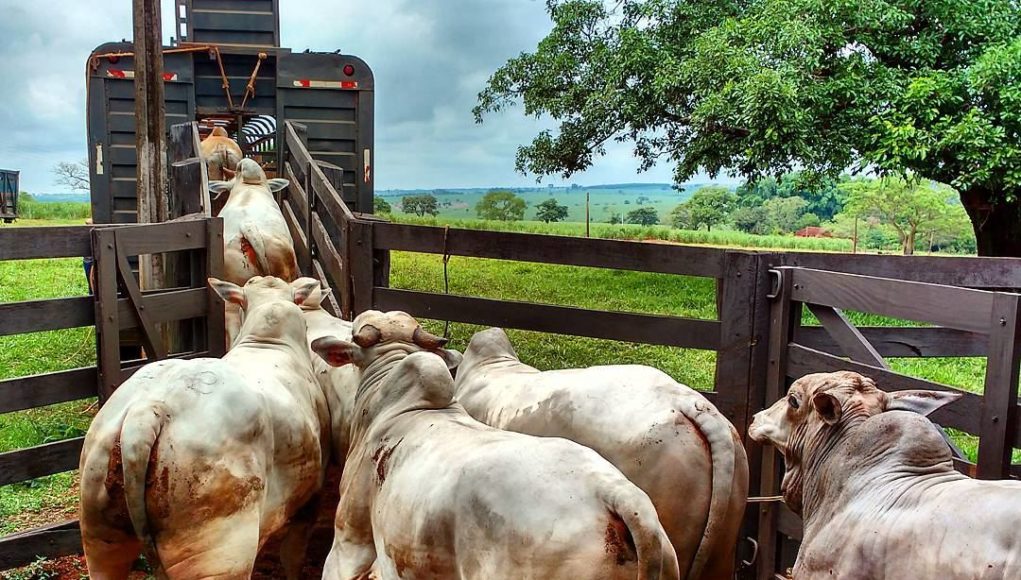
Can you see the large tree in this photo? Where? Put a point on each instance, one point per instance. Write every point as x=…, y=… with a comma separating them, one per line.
x=709, y=206
x=420, y=205
x=766, y=86
x=913, y=208
x=502, y=205
x=551, y=211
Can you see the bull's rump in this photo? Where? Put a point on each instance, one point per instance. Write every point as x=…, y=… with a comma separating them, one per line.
x=457, y=499
x=631, y=415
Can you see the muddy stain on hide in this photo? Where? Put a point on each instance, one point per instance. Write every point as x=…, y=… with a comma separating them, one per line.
x=381, y=457
x=116, y=509
x=619, y=542
x=249, y=252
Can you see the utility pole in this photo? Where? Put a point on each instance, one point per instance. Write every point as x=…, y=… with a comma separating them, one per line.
x=150, y=126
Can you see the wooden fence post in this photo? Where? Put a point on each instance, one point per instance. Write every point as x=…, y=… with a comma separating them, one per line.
x=216, y=341
x=360, y=256
x=999, y=400
x=108, y=338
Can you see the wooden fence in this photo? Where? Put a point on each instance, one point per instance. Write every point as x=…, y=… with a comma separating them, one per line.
x=118, y=306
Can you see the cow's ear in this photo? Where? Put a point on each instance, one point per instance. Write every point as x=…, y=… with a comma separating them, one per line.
x=229, y=292
x=219, y=187
x=336, y=352
x=919, y=401
x=453, y=358
x=828, y=406
x=277, y=183
x=303, y=288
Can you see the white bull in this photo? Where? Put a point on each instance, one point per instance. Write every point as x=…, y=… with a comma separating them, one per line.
x=428, y=492
x=199, y=461
x=256, y=239
x=221, y=154
x=875, y=483
x=665, y=437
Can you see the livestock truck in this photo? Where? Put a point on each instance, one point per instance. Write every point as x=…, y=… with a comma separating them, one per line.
x=8, y=195
x=225, y=67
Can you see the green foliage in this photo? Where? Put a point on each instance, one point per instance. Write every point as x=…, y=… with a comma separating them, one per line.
x=551, y=211
x=807, y=220
x=30, y=208
x=381, y=206
x=420, y=205
x=783, y=213
x=911, y=207
x=643, y=216
x=752, y=220
x=822, y=194
x=501, y=205
x=680, y=217
x=766, y=86
x=710, y=206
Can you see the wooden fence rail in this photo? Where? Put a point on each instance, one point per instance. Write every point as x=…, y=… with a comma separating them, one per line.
x=118, y=306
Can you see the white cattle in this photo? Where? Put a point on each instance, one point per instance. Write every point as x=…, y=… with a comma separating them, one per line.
x=875, y=483
x=665, y=437
x=428, y=492
x=199, y=461
x=221, y=154
x=255, y=236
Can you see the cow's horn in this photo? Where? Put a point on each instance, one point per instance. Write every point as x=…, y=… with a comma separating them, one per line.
x=367, y=336
x=425, y=339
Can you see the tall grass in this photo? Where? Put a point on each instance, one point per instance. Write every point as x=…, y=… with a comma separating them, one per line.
x=723, y=238
x=31, y=209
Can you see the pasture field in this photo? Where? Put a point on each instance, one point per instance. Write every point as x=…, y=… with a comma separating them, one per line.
x=605, y=200
x=53, y=498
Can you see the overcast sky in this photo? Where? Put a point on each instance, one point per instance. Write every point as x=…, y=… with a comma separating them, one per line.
x=430, y=59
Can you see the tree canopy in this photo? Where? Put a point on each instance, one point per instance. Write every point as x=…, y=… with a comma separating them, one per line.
x=420, y=205
x=767, y=86
x=644, y=216
x=381, y=206
x=551, y=211
x=709, y=206
x=911, y=207
x=502, y=205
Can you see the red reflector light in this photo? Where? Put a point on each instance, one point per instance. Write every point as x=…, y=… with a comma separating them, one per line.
x=349, y=70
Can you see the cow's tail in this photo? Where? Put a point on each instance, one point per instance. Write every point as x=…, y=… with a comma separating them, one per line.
x=255, y=239
x=657, y=559
x=723, y=451
x=139, y=434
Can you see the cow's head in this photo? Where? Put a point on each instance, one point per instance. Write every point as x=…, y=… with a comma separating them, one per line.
x=376, y=333
x=248, y=172
x=821, y=406
x=269, y=305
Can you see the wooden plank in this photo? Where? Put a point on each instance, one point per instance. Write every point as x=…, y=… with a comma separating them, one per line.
x=321, y=187
x=50, y=541
x=847, y=336
x=790, y=524
x=108, y=359
x=163, y=237
x=733, y=359
x=999, y=401
x=330, y=304
x=164, y=306
x=598, y=253
x=151, y=338
x=47, y=389
x=296, y=192
x=79, y=311
x=622, y=326
x=360, y=247
x=297, y=235
x=329, y=259
x=904, y=342
x=39, y=461
x=953, y=271
x=962, y=414
x=896, y=298
x=42, y=315
x=45, y=242
x=785, y=315
x=215, y=323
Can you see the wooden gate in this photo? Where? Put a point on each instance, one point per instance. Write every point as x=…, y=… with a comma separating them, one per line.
x=963, y=322
x=119, y=310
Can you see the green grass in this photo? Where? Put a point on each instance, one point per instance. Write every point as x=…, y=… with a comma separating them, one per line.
x=30, y=209
x=25, y=504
